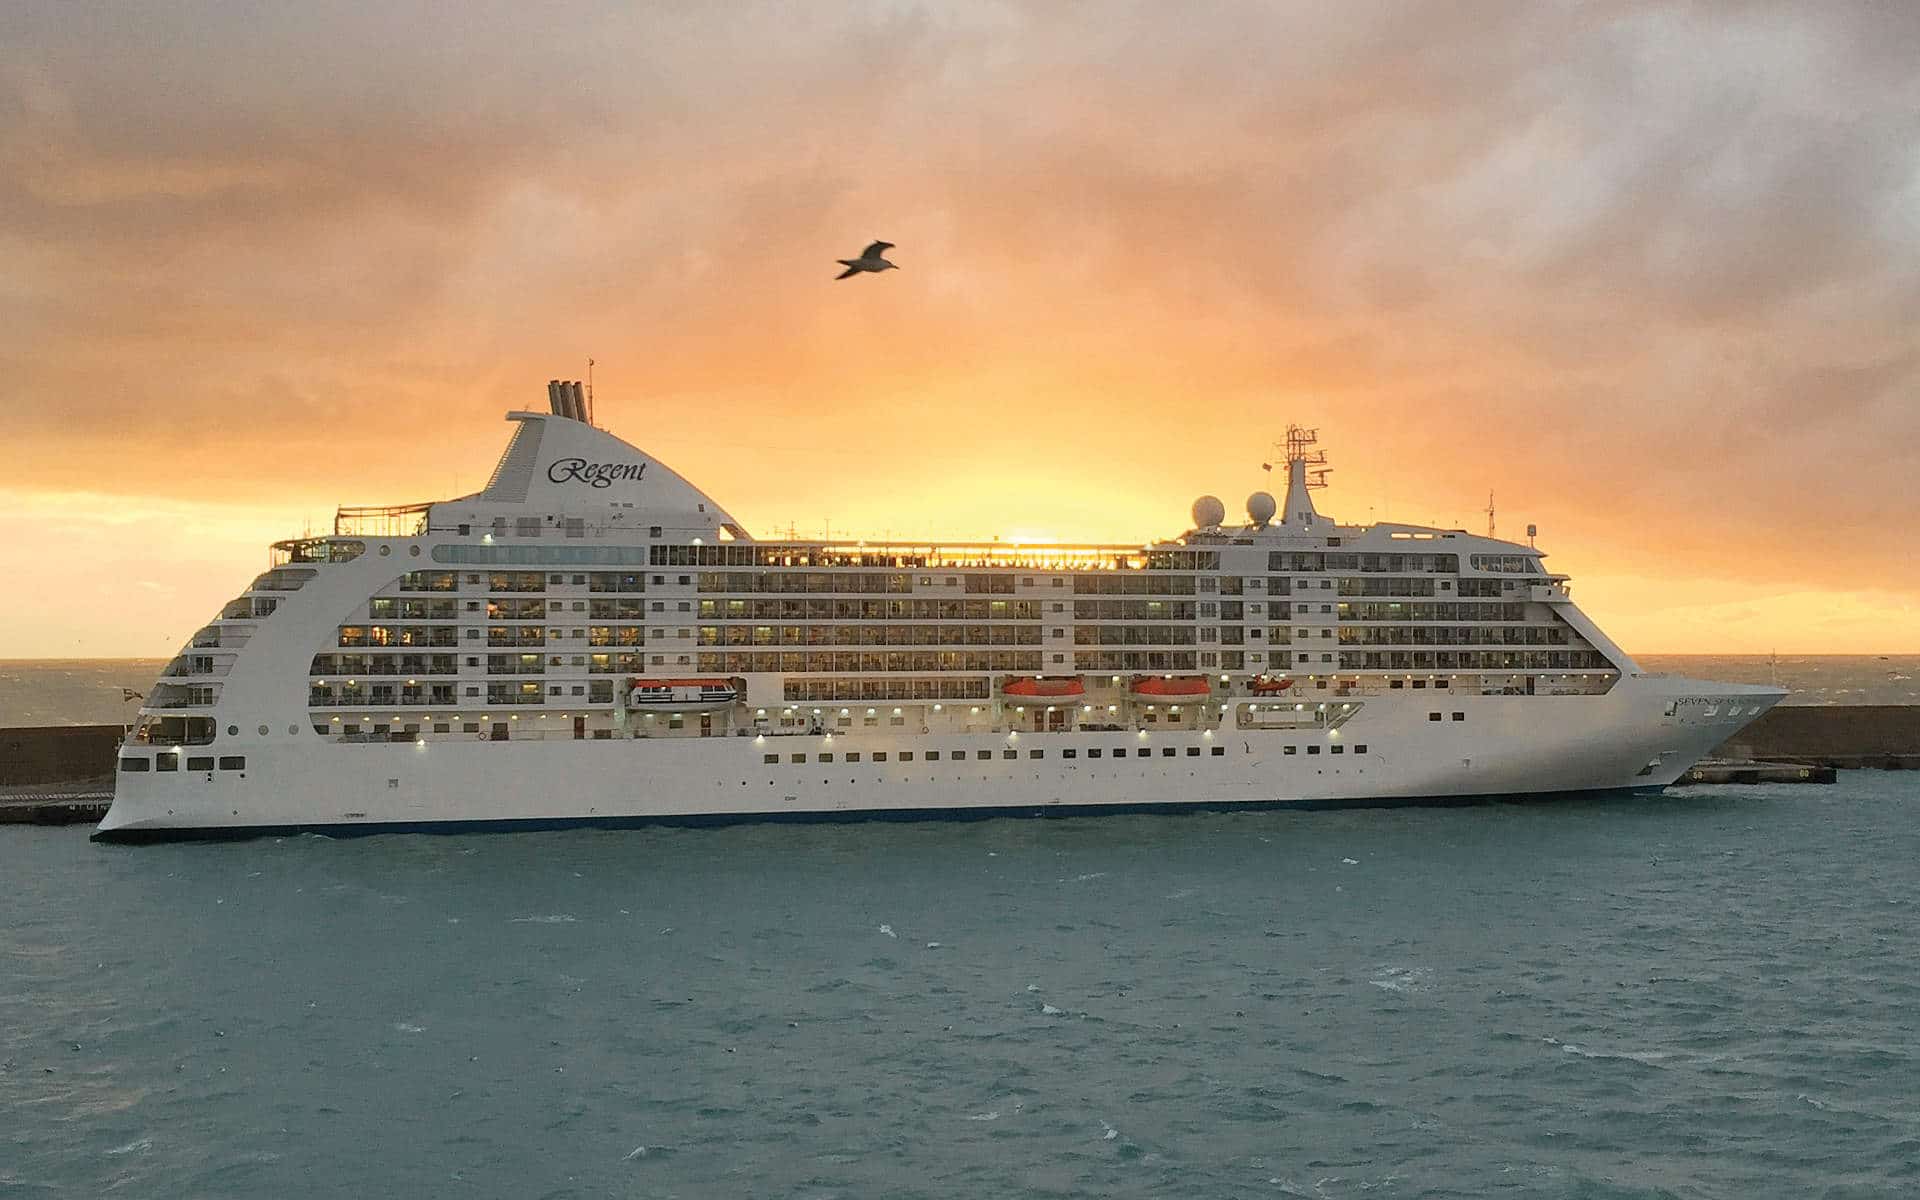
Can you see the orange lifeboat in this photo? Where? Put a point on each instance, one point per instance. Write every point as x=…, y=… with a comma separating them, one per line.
x=1177, y=687
x=1267, y=685
x=681, y=695
x=1030, y=688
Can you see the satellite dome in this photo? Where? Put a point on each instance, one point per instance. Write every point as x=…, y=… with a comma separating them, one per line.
x=1208, y=512
x=1261, y=506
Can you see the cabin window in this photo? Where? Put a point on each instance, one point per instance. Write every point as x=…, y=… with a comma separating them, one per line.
x=1217, y=751
x=932, y=756
x=1290, y=750
x=200, y=764
x=769, y=758
x=1168, y=752
x=1360, y=748
x=1193, y=752
x=233, y=762
x=853, y=757
x=1432, y=716
x=1142, y=752
x=1459, y=716
x=133, y=764
x=1337, y=748
x=1313, y=749
x=983, y=754
x=825, y=758
x=796, y=758
x=1069, y=754
x=1009, y=754
x=1036, y=754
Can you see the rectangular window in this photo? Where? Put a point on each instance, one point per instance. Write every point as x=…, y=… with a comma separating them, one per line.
x=1143, y=752
x=880, y=756
x=933, y=756
x=982, y=753
x=1337, y=748
x=1459, y=716
x=1360, y=749
x=1069, y=754
x=1313, y=749
x=825, y=758
x=1168, y=752
x=1036, y=754
x=166, y=762
x=1290, y=750
x=769, y=758
x=200, y=764
x=233, y=762
x=854, y=757
x=905, y=756
x=796, y=758
x=133, y=764
x=1094, y=753
x=1009, y=754
x=1433, y=716
x=1193, y=752
x=1217, y=751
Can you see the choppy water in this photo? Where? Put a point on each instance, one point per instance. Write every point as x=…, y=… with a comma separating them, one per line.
x=1712, y=993
x=90, y=690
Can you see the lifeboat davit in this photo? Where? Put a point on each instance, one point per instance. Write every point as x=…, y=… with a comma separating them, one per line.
x=1177, y=687
x=1267, y=685
x=1044, y=689
x=681, y=695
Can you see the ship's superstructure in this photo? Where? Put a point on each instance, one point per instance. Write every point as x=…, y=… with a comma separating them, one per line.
x=592, y=639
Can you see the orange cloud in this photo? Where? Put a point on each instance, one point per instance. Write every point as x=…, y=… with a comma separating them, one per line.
x=1652, y=280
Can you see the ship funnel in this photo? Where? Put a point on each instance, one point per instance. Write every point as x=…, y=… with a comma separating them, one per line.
x=566, y=399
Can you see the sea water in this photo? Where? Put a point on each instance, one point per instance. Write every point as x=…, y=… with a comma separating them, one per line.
x=1712, y=992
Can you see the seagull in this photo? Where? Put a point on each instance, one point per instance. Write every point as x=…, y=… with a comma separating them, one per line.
x=870, y=260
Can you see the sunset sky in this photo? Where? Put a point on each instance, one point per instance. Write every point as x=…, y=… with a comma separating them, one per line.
x=1650, y=274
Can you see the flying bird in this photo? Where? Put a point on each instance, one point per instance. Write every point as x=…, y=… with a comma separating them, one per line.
x=870, y=260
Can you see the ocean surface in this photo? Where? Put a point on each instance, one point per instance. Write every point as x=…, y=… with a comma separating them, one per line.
x=89, y=691
x=1712, y=993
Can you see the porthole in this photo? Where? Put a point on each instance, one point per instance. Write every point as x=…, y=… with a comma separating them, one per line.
x=413, y=551
x=293, y=731
x=263, y=731
x=233, y=731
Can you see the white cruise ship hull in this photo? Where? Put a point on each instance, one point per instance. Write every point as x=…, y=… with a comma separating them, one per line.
x=1639, y=736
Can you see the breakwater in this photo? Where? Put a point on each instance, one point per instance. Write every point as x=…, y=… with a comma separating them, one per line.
x=1880, y=736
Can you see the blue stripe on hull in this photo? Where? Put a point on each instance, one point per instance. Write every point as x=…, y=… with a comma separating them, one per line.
x=839, y=817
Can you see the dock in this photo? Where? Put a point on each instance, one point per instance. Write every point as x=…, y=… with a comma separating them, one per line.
x=1726, y=770
x=80, y=804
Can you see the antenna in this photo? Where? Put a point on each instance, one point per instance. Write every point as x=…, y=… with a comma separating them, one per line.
x=1489, y=514
x=589, y=391
x=1300, y=443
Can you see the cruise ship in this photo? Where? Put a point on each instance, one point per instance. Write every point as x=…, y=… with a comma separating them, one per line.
x=592, y=640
